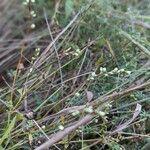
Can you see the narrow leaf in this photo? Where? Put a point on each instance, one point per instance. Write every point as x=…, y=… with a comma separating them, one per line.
x=8, y=130
x=68, y=8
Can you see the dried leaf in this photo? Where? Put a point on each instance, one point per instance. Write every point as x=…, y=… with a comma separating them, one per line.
x=126, y=124
x=20, y=66
x=89, y=95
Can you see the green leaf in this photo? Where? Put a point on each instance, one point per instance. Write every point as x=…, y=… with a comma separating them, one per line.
x=8, y=130
x=69, y=8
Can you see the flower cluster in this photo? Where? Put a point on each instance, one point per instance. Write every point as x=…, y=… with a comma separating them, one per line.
x=32, y=13
x=119, y=71
x=75, y=113
x=114, y=71
x=77, y=53
x=37, y=52
x=92, y=76
x=89, y=109
x=61, y=127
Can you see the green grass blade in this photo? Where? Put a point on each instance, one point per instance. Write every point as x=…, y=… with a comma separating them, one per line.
x=8, y=130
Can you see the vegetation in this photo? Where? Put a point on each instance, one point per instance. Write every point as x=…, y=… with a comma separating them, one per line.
x=75, y=74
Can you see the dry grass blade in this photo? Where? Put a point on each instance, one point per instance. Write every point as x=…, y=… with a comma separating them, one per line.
x=126, y=124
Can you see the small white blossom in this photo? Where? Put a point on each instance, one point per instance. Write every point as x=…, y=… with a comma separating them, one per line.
x=76, y=54
x=96, y=120
x=104, y=69
x=37, y=53
x=33, y=13
x=108, y=105
x=121, y=70
x=43, y=127
x=33, y=58
x=93, y=74
x=78, y=51
x=37, y=49
x=31, y=69
x=32, y=26
x=75, y=113
x=61, y=127
x=101, y=69
x=39, y=141
x=128, y=72
x=89, y=109
x=101, y=113
x=91, y=78
x=115, y=70
x=77, y=94
x=106, y=75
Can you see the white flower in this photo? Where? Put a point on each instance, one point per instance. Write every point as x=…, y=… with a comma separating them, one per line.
x=43, y=127
x=78, y=51
x=31, y=69
x=76, y=54
x=89, y=109
x=104, y=69
x=93, y=74
x=33, y=58
x=91, y=78
x=106, y=75
x=32, y=26
x=121, y=70
x=96, y=120
x=101, y=113
x=33, y=13
x=37, y=53
x=101, y=69
x=75, y=113
x=115, y=70
x=61, y=127
x=37, y=49
x=128, y=72
x=77, y=94
x=108, y=105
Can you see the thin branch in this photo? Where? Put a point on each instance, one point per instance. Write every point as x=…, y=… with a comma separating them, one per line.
x=59, y=63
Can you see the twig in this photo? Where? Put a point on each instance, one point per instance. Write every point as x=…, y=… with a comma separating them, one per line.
x=59, y=64
x=61, y=134
x=65, y=111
